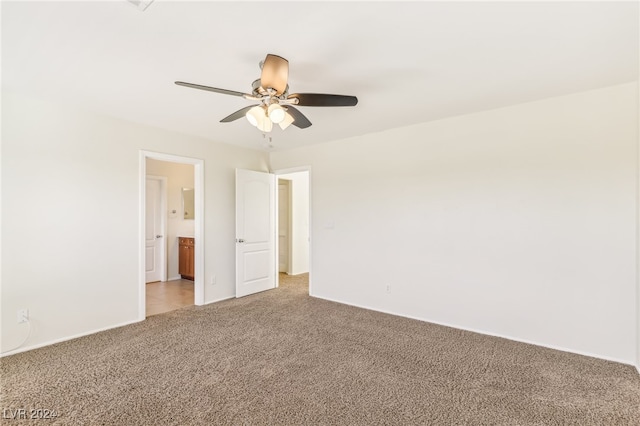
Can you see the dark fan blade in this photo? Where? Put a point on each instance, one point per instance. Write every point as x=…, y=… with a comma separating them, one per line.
x=324, y=100
x=211, y=89
x=275, y=73
x=299, y=120
x=238, y=114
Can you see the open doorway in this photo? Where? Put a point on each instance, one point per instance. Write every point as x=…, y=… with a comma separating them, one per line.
x=173, y=287
x=294, y=231
x=164, y=283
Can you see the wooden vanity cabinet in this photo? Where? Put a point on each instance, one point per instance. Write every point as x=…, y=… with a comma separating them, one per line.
x=186, y=255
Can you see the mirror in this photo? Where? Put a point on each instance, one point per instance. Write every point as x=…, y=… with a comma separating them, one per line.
x=188, y=204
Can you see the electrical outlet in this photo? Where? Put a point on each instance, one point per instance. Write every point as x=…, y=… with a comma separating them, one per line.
x=388, y=288
x=213, y=280
x=23, y=315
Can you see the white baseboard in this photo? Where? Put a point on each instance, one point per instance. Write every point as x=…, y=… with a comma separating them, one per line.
x=486, y=333
x=178, y=277
x=219, y=300
x=64, y=339
x=98, y=330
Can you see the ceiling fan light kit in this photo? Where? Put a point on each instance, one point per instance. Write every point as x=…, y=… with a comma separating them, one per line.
x=258, y=117
x=276, y=104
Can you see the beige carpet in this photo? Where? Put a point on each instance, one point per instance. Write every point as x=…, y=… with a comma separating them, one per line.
x=281, y=357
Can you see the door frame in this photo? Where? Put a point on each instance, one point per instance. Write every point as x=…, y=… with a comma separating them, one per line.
x=198, y=166
x=288, y=185
x=163, y=223
x=284, y=172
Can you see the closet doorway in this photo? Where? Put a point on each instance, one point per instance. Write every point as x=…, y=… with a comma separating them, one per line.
x=294, y=230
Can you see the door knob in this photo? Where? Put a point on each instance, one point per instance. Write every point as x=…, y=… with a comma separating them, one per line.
x=158, y=236
x=240, y=240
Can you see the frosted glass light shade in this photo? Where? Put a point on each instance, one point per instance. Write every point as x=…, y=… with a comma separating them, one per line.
x=288, y=119
x=255, y=115
x=276, y=113
x=265, y=125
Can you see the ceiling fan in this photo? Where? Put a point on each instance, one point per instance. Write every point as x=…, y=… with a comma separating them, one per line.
x=275, y=104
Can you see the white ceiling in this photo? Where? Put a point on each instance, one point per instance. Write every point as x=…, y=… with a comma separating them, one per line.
x=406, y=62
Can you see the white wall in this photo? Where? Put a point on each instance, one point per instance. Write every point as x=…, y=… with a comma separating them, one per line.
x=178, y=176
x=518, y=222
x=300, y=222
x=70, y=211
x=299, y=218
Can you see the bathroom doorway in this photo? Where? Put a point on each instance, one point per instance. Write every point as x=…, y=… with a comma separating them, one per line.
x=183, y=219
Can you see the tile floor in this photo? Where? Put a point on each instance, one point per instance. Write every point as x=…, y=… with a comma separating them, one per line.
x=168, y=296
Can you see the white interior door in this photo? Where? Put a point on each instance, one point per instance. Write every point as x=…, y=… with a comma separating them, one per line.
x=283, y=226
x=154, y=239
x=255, y=232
